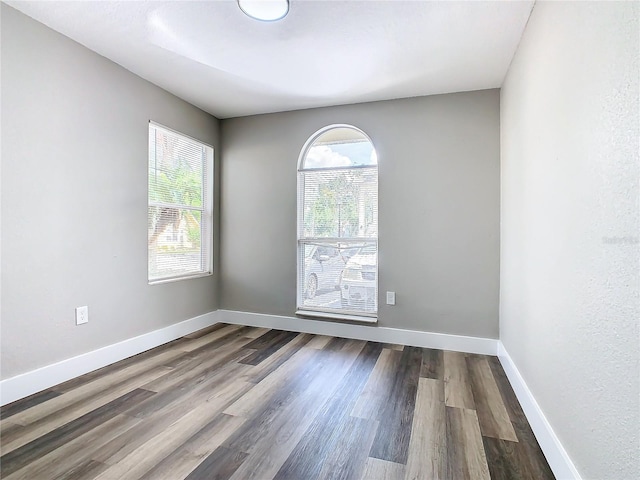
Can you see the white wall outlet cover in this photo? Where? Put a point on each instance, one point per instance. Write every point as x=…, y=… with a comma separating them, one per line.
x=391, y=298
x=82, y=315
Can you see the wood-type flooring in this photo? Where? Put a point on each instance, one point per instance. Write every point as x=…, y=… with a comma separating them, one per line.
x=242, y=403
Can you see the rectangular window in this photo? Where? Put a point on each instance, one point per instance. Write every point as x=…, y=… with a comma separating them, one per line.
x=180, y=221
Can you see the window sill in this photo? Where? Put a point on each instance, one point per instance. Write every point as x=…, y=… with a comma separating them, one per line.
x=176, y=279
x=337, y=316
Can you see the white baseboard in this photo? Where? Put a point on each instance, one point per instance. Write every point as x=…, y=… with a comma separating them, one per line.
x=458, y=343
x=559, y=461
x=26, y=384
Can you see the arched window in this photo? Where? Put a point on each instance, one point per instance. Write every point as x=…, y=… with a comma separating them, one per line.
x=338, y=224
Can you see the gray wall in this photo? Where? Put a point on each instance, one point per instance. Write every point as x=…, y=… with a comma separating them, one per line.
x=74, y=206
x=438, y=218
x=569, y=310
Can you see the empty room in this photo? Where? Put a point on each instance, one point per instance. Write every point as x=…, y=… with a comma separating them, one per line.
x=316, y=239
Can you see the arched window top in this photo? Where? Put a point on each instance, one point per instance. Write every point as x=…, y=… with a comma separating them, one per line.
x=338, y=146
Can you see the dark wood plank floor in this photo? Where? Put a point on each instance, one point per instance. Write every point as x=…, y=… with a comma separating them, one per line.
x=233, y=402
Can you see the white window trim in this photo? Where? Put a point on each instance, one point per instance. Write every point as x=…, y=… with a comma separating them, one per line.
x=318, y=312
x=206, y=210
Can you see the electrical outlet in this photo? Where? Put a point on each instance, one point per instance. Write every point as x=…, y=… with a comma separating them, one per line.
x=391, y=298
x=82, y=315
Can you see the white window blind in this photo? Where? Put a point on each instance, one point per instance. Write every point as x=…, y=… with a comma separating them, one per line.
x=180, y=206
x=338, y=224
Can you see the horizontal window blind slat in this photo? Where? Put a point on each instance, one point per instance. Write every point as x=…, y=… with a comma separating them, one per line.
x=337, y=169
x=323, y=240
x=177, y=205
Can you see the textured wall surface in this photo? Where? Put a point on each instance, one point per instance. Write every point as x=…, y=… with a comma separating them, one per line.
x=438, y=209
x=74, y=199
x=569, y=309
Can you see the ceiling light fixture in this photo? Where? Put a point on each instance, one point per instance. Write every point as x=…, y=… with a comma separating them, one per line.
x=265, y=10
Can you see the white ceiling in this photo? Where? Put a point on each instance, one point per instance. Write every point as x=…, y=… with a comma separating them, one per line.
x=322, y=53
